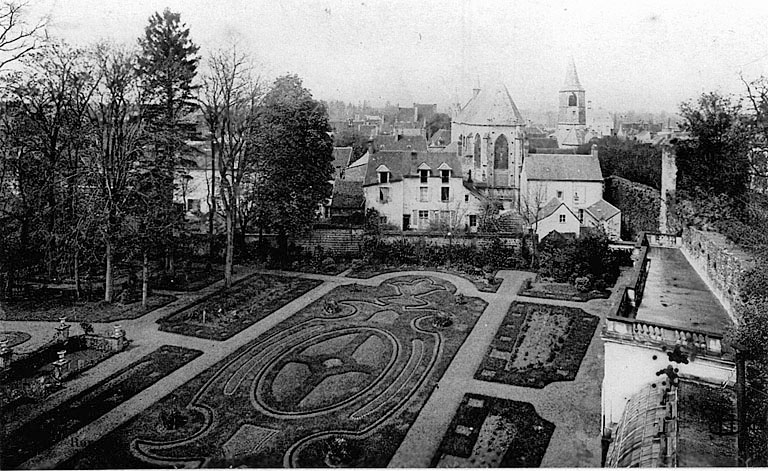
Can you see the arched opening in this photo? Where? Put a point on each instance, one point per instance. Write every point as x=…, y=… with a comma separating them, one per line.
x=477, y=150
x=572, y=100
x=501, y=153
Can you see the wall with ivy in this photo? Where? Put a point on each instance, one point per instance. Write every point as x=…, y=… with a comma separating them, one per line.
x=639, y=204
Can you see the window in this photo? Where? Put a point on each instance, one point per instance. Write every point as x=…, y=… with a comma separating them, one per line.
x=423, y=220
x=472, y=220
x=423, y=194
x=424, y=174
x=445, y=176
x=384, y=195
x=193, y=205
x=562, y=219
x=466, y=198
x=559, y=195
x=581, y=215
x=383, y=177
x=445, y=194
x=572, y=100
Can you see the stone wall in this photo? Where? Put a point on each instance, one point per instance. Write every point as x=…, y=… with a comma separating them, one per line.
x=719, y=262
x=477, y=240
x=639, y=204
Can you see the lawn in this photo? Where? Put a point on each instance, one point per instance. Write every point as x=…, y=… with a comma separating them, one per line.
x=489, y=432
x=75, y=413
x=228, y=312
x=338, y=383
x=49, y=304
x=538, y=344
x=371, y=270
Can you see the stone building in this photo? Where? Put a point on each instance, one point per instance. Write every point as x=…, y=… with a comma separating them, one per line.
x=489, y=134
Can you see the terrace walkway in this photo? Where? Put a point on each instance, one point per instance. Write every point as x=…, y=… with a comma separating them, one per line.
x=676, y=296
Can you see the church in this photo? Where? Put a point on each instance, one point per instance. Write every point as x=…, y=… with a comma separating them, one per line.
x=572, y=112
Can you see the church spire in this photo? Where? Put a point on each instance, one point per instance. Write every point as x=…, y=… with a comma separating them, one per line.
x=572, y=78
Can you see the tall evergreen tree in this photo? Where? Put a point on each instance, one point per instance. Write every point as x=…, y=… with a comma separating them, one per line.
x=294, y=152
x=167, y=66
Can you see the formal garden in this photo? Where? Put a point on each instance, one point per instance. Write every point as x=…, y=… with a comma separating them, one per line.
x=337, y=384
x=489, y=432
x=537, y=344
x=33, y=436
x=576, y=269
x=227, y=312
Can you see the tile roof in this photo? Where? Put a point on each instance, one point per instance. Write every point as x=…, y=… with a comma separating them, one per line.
x=491, y=107
x=441, y=137
x=542, y=142
x=575, y=137
x=603, y=210
x=405, y=164
x=548, y=209
x=347, y=194
x=341, y=157
x=418, y=143
x=563, y=167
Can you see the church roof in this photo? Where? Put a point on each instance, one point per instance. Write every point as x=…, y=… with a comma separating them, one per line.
x=575, y=137
x=563, y=167
x=571, y=83
x=491, y=107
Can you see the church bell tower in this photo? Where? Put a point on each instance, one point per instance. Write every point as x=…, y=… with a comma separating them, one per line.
x=572, y=114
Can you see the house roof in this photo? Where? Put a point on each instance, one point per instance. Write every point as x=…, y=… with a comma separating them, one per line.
x=441, y=137
x=563, y=167
x=341, y=157
x=406, y=164
x=575, y=137
x=418, y=143
x=549, y=209
x=542, y=142
x=491, y=107
x=347, y=194
x=603, y=210
x=405, y=114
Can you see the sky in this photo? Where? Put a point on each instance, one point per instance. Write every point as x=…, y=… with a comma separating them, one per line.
x=643, y=56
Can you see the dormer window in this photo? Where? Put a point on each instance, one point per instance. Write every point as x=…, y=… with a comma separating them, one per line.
x=383, y=177
x=445, y=176
x=423, y=175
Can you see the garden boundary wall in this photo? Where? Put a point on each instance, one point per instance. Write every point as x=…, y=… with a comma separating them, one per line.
x=350, y=242
x=640, y=205
x=720, y=263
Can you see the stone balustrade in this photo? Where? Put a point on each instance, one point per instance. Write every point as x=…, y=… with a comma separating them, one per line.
x=650, y=332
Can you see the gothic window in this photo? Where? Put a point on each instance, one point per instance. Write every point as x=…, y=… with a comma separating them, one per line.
x=477, y=150
x=572, y=100
x=501, y=153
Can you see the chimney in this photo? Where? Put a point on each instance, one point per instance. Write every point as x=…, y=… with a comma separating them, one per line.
x=370, y=148
x=594, y=150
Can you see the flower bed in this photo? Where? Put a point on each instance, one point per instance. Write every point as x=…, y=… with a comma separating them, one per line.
x=537, y=344
x=560, y=291
x=481, y=283
x=228, y=312
x=489, y=432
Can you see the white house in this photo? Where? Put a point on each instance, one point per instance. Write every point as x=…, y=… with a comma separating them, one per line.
x=556, y=216
x=604, y=214
x=415, y=190
x=193, y=178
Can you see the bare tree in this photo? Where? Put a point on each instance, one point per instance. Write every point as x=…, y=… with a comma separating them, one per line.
x=118, y=143
x=531, y=204
x=17, y=37
x=229, y=100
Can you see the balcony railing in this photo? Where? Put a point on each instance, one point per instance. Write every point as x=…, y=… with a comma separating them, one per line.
x=653, y=332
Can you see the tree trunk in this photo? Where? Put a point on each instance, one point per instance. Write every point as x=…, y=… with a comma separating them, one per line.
x=76, y=269
x=212, y=205
x=144, y=280
x=108, y=282
x=230, y=249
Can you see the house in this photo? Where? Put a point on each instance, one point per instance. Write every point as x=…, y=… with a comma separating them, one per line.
x=574, y=179
x=342, y=157
x=606, y=216
x=193, y=178
x=555, y=216
x=347, y=202
x=419, y=190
